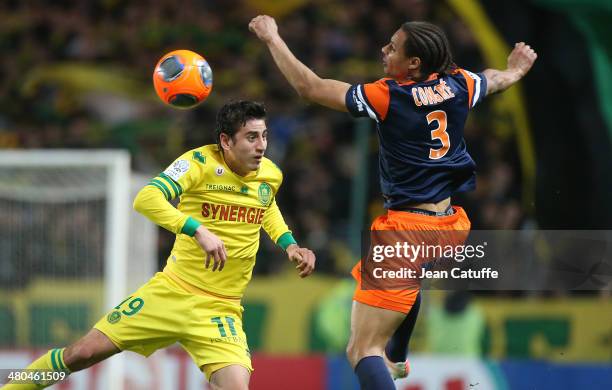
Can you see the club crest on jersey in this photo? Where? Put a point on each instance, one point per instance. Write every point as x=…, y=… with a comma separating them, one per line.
x=219, y=171
x=265, y=194
x=113, y=317
x=178, y=169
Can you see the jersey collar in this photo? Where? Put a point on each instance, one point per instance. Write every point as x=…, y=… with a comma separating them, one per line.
x=431, y=77
x=250, y=175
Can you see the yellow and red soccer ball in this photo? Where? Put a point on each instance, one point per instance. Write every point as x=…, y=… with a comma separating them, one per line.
x=182, y=79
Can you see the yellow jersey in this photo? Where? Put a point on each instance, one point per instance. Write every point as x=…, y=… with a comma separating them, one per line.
x=232, y=207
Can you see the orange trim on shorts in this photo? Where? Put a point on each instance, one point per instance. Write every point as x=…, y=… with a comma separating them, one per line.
x=402, y=300
x=396, y=300
x=409, y=219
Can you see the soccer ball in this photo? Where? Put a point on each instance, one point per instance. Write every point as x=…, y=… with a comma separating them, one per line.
x=182, y=79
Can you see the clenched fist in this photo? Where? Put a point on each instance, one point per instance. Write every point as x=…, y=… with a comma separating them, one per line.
x=264, y=27
x=521, y=58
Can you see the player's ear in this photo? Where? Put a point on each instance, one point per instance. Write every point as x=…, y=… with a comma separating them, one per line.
x=224, y=140
x=414, y=63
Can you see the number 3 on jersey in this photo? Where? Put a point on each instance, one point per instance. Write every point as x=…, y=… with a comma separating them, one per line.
x=438, y=133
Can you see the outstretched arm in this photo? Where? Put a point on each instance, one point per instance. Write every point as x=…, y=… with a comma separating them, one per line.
x=327, y=92
x=520, y=60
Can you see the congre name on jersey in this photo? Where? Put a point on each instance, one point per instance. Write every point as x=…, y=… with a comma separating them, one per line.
x=434, y=94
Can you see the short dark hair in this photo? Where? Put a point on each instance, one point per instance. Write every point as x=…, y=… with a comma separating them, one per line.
x=428, y=42
x=235, y=114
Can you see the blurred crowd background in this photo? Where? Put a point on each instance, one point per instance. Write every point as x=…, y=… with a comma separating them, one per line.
x=77, y=74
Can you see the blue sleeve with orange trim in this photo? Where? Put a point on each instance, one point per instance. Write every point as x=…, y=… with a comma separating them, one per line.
x=370, y=99
x=476, y=85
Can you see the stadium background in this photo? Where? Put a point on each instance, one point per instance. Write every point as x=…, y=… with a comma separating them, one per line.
x=76, y=75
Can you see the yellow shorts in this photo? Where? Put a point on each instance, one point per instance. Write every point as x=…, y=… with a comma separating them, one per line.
x=162, y=312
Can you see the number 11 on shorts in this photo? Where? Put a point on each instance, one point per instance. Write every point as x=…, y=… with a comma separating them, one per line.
x=230, y=323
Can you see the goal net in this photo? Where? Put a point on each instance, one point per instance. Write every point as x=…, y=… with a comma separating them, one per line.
x=63, y=245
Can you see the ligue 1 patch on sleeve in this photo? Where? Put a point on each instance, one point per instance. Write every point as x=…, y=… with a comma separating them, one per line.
x=356, y=99
x=177, y=170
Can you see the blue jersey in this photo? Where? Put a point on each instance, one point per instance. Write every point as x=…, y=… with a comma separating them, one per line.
x=422, y=156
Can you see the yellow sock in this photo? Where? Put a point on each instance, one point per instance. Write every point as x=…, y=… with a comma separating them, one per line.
x=51, y=367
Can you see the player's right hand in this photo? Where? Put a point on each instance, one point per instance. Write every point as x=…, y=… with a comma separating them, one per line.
x=264, y=27
x=213, y=246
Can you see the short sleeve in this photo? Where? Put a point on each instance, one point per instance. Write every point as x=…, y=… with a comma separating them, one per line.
x=370, y=99
x=476, y=86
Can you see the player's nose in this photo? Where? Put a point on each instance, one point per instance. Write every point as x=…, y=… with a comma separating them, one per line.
x=261, y=145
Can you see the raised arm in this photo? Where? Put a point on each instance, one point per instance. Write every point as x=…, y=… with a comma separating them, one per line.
x=520, y=60
x=327, y=92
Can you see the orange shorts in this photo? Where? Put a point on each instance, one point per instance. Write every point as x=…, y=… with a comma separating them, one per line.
x=402, y=300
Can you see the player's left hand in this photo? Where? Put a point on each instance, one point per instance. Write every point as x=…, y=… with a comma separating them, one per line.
x=264, y=27
x=304, y=257
x=521, y=58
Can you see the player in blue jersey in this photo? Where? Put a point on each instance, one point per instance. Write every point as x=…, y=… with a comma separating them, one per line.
x=420, y=108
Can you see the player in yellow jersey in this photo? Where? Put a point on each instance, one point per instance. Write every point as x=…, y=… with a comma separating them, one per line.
x=227, y=193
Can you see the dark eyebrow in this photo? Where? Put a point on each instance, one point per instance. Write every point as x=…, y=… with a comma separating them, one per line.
x=256, y=132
